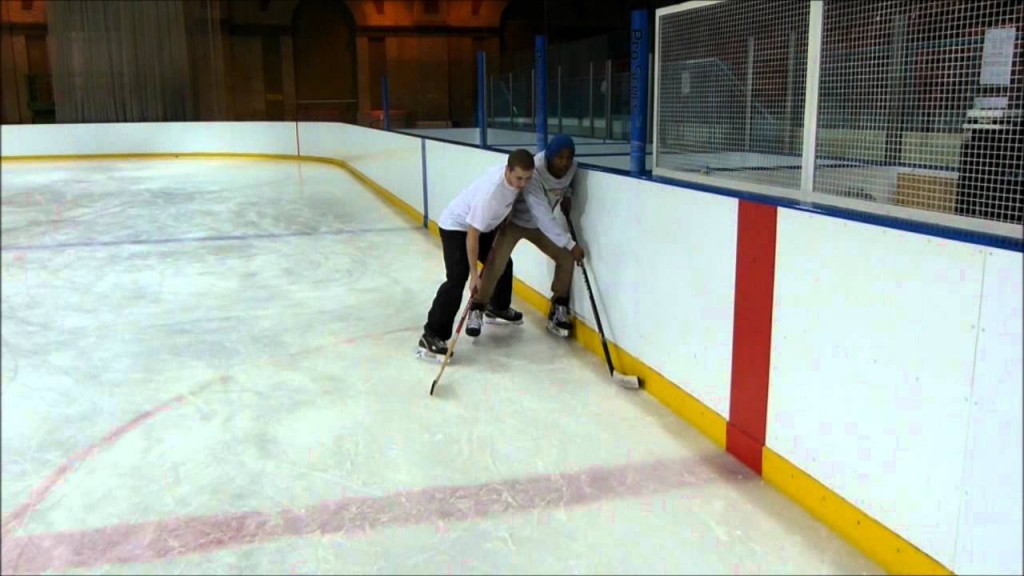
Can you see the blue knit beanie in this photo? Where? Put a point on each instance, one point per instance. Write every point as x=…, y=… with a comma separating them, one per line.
x=559, y=143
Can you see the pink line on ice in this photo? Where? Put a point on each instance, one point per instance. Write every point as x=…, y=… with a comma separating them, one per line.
x=174, y=537
x=15, y=519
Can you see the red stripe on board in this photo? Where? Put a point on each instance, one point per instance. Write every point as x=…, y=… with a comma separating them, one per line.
x=746, y=449
x=752, y=332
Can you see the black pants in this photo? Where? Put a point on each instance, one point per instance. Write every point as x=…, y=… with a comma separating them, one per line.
x=448, y=300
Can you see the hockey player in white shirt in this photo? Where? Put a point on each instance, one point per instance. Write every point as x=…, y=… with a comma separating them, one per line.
x=533, y=218
x=467, y=228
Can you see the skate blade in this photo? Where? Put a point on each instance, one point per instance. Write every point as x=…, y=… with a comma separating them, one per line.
x=502, y=322
x=561, y=333
x=430, y=357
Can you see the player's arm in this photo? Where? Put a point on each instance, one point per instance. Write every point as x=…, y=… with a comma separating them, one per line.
x=472, y=253
x=545, y=217
x=476, y=220
x=551, y=227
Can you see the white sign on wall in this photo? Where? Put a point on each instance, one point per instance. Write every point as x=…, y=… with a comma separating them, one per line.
x=997, y=58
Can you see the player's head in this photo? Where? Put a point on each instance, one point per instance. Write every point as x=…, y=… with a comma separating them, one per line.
x=519, y=168
x=559, y=154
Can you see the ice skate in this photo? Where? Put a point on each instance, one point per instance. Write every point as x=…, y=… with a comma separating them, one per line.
x=559, y=319
x=507, y=317
x=432, y=348
x=474, y=323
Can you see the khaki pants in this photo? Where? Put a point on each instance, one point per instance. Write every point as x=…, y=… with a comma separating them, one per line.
x=503, y=246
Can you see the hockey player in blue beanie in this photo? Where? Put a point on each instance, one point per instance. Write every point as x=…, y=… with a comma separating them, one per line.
x=559, y=143
x=533, y=217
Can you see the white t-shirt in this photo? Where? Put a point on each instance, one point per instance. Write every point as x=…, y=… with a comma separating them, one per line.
x=535, y=208
x=482, y=205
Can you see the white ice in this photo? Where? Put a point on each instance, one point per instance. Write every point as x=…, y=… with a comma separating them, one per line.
x=208, y=368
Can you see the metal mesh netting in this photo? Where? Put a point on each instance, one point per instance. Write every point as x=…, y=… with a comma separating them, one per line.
x=916, y=111
x=922, y=100
x=731, y=91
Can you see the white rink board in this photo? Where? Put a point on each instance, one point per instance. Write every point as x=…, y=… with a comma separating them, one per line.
x=276, y=138
x=463, y=135
x=989, y=535
x=395, y=161
x=872, y=358
x=669, y=303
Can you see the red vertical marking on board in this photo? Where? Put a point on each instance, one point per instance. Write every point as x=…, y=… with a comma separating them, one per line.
x=752, y=332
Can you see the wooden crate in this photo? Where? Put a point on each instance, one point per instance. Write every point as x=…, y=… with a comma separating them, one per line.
x=926, y=191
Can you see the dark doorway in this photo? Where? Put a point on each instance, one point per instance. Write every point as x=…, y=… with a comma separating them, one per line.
x=323, y=33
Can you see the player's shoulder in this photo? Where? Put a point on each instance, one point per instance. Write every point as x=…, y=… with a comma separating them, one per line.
x=487, y=180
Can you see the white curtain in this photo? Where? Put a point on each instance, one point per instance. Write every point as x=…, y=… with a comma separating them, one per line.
x=132, y=61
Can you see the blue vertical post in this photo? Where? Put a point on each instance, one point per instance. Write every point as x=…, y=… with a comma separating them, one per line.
x=481, y=97
x=384, y=102
x=640, y=47
x=541, y=86
x=426, y=196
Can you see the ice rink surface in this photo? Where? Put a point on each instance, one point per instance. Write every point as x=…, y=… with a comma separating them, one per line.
x=208, y=368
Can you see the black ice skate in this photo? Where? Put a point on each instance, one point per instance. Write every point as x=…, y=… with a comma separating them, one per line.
x=474, y=322
x=508, y=316
x=432, y=348
x=559, y=318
